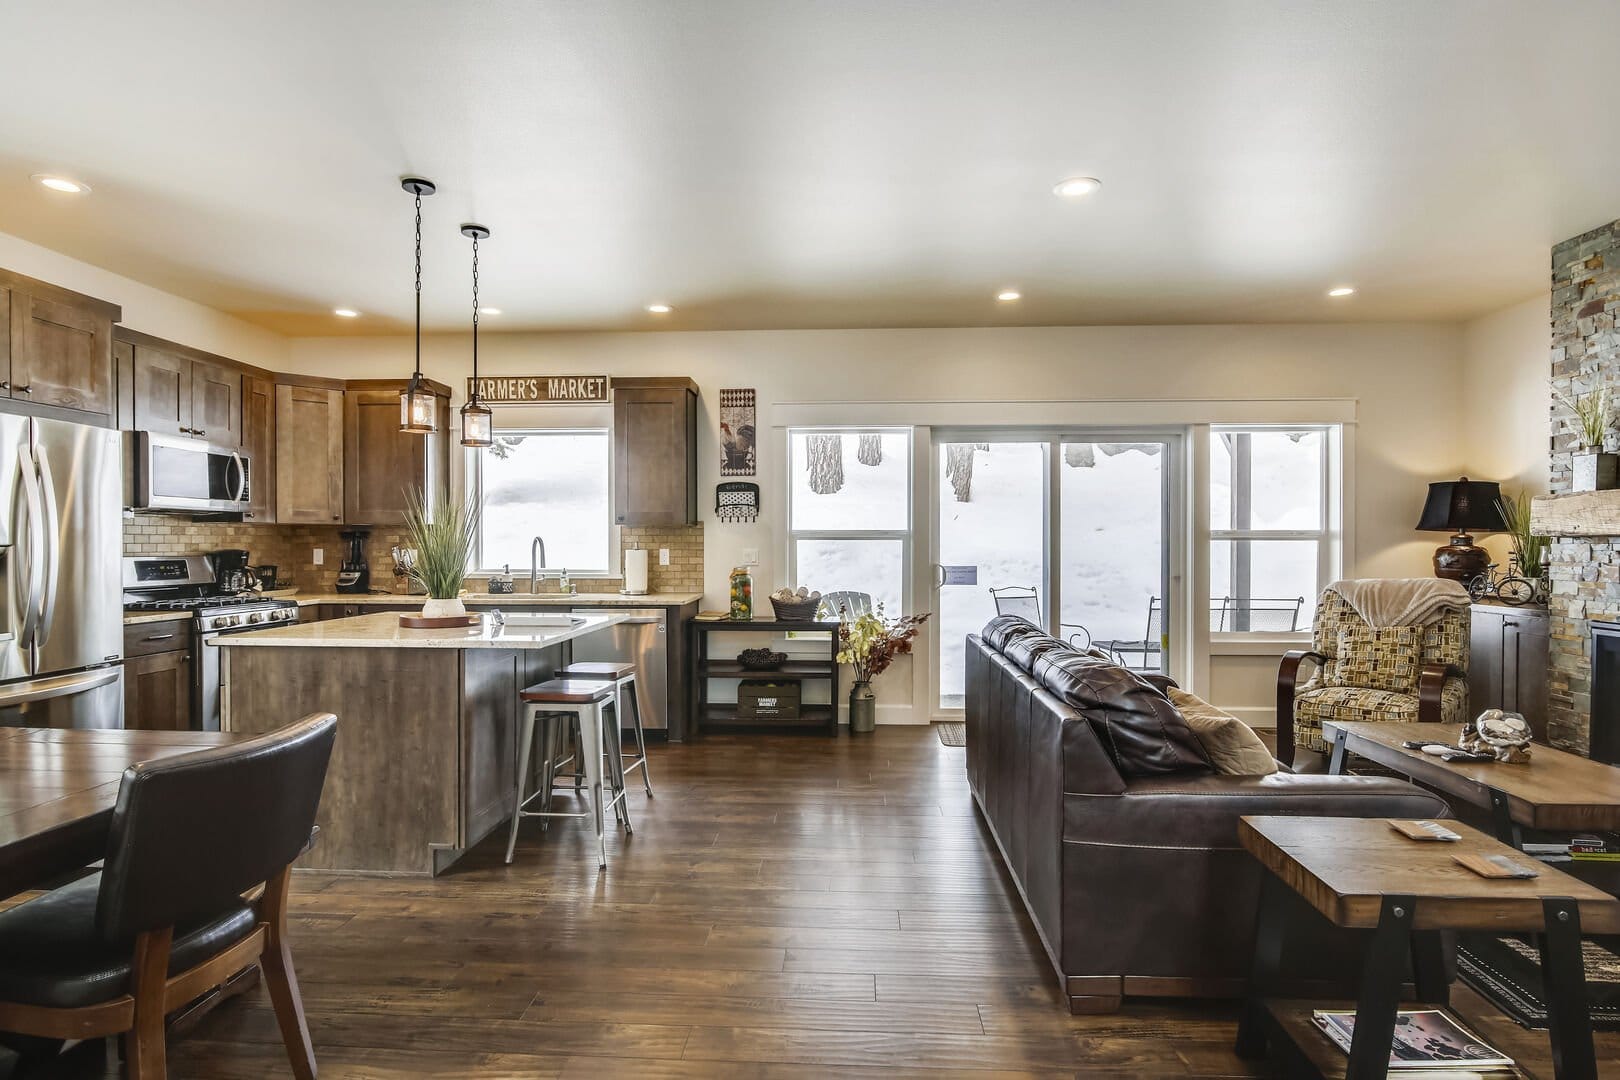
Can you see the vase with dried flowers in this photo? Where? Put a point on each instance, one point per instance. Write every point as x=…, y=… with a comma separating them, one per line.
x=1590, y=468
x=869, y=643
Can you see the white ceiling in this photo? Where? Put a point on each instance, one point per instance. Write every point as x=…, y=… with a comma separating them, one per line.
x=816, y=163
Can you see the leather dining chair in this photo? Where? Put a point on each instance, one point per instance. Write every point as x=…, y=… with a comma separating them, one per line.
x=165, y=919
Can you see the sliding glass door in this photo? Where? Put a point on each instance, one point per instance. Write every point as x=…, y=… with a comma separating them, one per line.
x=1070, y=530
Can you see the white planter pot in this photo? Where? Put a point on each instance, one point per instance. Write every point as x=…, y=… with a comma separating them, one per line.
x=444, y=609
x=1592, y=471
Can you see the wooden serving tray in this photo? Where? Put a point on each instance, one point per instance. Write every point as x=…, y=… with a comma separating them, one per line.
x=451, y=622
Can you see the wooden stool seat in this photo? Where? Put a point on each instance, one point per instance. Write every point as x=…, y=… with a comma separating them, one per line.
x=598, y=669
x=567, y=692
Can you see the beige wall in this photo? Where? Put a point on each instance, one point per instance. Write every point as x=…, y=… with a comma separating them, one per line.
x=1505, y=400
x=149, y=310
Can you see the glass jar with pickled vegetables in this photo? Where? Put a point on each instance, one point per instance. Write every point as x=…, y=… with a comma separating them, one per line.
x=742, y=594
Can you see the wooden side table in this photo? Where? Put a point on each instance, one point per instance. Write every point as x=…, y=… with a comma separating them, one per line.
x=1359, y=873
x=708, y=715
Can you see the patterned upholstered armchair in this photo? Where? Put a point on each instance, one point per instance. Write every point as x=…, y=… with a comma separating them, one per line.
x=1402, y=673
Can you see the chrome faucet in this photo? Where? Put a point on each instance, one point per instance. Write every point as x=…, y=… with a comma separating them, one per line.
x=537, y=561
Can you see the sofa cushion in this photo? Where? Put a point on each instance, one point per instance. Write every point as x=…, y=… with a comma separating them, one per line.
x=1233, y=747
x=1388, y=658
x=1142, y=732
x=1002, y=630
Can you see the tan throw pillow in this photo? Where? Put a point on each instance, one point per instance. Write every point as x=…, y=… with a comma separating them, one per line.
x=1386, y=659
x=1230, y=743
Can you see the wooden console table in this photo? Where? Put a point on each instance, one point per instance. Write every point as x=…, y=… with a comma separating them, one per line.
x=1555, y=790
x=710, y=715
x=1359, y=873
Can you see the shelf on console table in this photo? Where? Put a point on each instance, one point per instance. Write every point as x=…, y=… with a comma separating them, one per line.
x=715, y=716
x=1576, y=513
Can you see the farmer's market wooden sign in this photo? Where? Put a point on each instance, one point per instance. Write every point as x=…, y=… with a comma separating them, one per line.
x=541, y=389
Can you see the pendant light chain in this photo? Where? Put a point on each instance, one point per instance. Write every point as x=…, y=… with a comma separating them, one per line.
x=477, y=422
x=418, y=285
x=417, y=408
x=475, y=317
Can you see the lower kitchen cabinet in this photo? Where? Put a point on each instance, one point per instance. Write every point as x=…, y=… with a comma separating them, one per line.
x=157, y=691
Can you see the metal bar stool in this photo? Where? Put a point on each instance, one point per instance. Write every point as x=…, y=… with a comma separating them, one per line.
x=623, y=677
x=551, y=705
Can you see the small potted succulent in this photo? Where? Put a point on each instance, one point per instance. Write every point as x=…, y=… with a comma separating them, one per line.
x=1591, y=468
x=442, y=533
x=869, y=643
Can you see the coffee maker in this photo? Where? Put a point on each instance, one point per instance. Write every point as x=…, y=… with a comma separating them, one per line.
x=231, y=571
x=354, y=574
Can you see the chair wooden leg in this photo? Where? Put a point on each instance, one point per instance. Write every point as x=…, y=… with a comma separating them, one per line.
x=282, y=981
x=146, y=1055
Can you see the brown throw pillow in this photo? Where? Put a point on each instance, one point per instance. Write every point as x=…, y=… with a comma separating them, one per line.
x=1389, y=659
x=1231, y=744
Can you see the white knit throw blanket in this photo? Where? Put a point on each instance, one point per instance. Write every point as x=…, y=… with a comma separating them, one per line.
x=1383, y=602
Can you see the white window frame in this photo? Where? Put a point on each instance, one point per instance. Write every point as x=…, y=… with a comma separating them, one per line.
x=1327, y=535
x=474, y=471
x=905, y=536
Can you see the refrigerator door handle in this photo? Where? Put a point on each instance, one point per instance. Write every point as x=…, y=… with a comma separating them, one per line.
x=53, y=552
x=28, y=488
x=57, y=686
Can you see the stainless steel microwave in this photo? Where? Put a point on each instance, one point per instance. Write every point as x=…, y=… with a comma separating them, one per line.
x=168, y=472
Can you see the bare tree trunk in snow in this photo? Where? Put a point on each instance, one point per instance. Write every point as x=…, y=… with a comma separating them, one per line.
x=959, y=467
x=1080, y=455
x=869, y=451
x=826, y=454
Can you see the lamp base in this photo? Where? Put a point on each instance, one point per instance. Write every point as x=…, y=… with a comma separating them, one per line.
x=1460, y=560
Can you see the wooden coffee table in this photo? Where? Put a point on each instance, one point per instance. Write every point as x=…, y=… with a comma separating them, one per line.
x=1359, y=873
x=1555, y=790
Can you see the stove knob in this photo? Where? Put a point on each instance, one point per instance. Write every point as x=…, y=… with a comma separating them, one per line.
x=225, y=620
x=255, y=616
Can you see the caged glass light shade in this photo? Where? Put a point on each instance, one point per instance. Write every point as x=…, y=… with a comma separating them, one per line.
x=417, y=409
x=477, y=425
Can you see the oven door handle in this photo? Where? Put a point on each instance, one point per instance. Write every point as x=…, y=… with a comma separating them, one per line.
x=241, y=477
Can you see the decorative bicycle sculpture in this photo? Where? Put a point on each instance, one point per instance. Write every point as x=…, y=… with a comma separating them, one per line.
x=1510, y=588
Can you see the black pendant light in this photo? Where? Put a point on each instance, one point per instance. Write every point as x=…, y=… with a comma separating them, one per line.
x=477, y=422
x=417, y=412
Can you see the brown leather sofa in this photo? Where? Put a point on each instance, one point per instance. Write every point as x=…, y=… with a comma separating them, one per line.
x=1120, y=835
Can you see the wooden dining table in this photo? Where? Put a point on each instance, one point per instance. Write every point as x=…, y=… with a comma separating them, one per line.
x=57, y=790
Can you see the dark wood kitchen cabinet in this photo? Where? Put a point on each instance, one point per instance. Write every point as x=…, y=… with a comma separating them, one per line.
x=178, y=390
x=157, y=676
x=309, y=455
x=1507, y=667
x=57, y=349
x=380, y=462
x=655, y=451
x=259, y=445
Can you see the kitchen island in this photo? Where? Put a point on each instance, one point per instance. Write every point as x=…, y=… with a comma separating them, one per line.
x=425, y=760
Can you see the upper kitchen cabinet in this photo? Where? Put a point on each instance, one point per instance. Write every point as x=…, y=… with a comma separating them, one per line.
x=259, y=444
x=309, y=454
x=380, y=462
x=655, y=451
x=56, y=349
x=178, y=390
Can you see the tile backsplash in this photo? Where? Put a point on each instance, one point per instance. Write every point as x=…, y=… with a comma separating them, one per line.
x=291, y=548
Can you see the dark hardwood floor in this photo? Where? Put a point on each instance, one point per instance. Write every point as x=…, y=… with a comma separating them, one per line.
x=789, y=908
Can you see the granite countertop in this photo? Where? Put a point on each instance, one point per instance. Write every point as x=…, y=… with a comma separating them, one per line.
x=519, y=599
x=381, y=630
x=136, y=618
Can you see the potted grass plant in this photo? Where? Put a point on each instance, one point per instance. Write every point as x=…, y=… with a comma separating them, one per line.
x=442, y=531
x=1529, y=550
x=1590, y=468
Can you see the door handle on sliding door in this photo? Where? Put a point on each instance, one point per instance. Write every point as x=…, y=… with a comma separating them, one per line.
x=53, y=547
x=939, y=576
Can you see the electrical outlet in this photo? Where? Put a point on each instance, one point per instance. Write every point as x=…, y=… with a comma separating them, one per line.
x=751, y=556
x=663, y=556
x=320, y=556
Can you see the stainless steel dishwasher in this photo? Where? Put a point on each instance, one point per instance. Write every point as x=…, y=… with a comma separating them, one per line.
x=643, y=640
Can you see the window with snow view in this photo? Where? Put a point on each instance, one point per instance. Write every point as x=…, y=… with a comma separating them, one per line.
x=547, y=483
x=1268, y=521
x=849, y=512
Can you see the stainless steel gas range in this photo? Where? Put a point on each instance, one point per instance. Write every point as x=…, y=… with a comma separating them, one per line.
x=188, y=584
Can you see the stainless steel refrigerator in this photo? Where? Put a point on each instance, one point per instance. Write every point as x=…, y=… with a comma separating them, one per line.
x=61, y=636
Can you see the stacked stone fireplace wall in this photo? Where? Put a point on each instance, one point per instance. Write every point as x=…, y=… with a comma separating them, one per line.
x=1585, y=571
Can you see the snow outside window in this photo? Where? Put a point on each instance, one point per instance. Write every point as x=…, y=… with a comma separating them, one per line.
x=1269, y=554
x=547, y=483
x=849, y=512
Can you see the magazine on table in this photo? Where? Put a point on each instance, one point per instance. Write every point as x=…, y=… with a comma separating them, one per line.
x=1425, y=1039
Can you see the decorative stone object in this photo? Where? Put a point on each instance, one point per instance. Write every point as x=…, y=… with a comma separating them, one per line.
x=1594, y=471
x=1504, y=734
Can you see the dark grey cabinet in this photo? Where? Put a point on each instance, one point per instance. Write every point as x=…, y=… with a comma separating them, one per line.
x=655, y=451
x=1507, y=667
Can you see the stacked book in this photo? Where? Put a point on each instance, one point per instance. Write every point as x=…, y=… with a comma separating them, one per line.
x=1591, y=848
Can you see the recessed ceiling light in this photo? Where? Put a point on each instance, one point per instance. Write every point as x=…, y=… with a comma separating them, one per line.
x=659, y=309
x=1007, y=296
x=489, y=311
x=1342, y=290
x=61, y=183
x=1076, y=186
x=346, y=313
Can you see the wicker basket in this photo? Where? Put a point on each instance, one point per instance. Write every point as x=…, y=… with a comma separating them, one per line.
x=795, y=610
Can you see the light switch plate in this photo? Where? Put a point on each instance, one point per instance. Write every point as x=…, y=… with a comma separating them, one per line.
x=751, y=556
x=320, y=556
x=663, y=556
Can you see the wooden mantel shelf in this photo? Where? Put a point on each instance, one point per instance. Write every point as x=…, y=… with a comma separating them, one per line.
x=1578, y=513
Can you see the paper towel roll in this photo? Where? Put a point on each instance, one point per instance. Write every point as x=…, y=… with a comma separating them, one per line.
x=635, y=570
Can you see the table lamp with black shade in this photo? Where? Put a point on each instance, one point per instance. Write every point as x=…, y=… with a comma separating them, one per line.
x=1461, y=507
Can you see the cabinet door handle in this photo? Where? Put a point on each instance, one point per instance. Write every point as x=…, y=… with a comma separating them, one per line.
x=157, y=637
x=23, y=390
x=5, y=384
x=199, y=432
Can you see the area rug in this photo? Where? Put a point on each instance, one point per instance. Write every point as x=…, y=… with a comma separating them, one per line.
x=1508, y=972
x=952, y=734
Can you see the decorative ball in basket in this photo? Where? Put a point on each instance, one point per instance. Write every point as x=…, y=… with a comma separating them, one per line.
x=761, y=659
x=795, y=605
